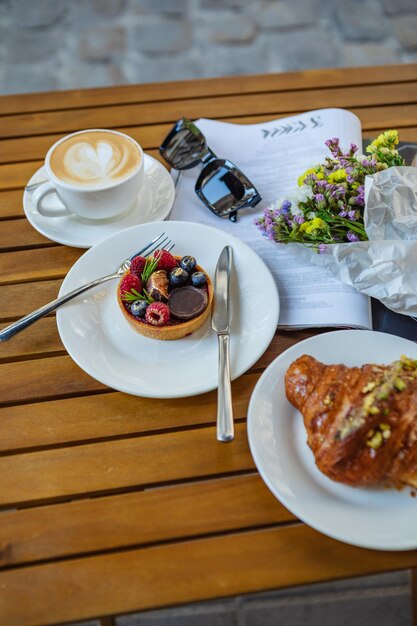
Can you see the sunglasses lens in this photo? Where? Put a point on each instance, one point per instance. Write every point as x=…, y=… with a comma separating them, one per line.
x=224, y=188
x=184, y=146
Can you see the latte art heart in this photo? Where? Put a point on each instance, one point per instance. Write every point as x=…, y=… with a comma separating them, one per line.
x=94, y=159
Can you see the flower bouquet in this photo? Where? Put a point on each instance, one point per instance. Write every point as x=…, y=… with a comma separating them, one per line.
x=359, y=213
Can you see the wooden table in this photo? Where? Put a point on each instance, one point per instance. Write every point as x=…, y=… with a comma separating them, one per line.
x=114, y=503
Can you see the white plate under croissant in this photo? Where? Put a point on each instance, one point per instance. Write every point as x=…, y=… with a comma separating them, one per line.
x=371, y=517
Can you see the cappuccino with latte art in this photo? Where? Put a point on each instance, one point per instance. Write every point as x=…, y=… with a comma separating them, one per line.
x=97, y=174
x=94, y=158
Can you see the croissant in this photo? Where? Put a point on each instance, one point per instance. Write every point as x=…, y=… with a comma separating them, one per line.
x=361, y=422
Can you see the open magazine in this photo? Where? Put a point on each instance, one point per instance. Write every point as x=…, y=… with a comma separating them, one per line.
x=273, y=155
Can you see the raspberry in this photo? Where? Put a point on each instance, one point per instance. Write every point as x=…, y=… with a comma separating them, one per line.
x=158, y=314
x=129, y=282
x=166, y=261
x=137, y=265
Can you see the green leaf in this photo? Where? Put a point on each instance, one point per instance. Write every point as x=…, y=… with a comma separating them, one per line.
x=133, y=296
x=150, y=266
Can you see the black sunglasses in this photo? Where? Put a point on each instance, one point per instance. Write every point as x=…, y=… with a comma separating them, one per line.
x=221, y=185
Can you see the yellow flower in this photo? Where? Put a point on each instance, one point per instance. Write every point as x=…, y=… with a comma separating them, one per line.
x=311, y=170
x=388, y=139
x=391, y=136
x=339, y=176
x=314, y=226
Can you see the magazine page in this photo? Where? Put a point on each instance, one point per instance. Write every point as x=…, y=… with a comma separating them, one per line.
x=273, y=155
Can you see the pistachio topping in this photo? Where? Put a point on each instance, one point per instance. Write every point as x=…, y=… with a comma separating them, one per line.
x=327, y=400
x=375, y=438
x=383, y=394
x=370, y=385
x=383, y=384
x=407, y=363
x=376, y=441
x=399, y=384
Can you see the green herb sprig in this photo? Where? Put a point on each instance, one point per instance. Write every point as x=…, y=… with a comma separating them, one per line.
x=133, y=296
x=150, y=266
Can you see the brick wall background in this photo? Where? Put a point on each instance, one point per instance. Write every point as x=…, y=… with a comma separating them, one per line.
x=65, y=44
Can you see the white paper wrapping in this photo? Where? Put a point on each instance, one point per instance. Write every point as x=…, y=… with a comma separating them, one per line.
x=385, y=267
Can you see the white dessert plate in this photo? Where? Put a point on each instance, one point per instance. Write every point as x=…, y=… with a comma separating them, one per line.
x=383, y=519
x=154, y=203
x=101, y=341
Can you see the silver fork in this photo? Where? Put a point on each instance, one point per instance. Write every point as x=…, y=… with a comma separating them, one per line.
x=29, y=319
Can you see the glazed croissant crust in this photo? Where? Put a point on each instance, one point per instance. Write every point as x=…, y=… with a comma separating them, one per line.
x=361, y=422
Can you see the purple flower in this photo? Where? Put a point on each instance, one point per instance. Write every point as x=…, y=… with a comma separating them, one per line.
x=310, y=178
x=369, y=162
x=321, y=248
x=260, y=223
x=360, y=198
x=351, y=214
x=285, y=206
x=343, y=213
x=351, y=236
x=333, y=145
x=337, y=192
x=270, y=232
x=353, y=149
x=319, y=197
x=299, y=219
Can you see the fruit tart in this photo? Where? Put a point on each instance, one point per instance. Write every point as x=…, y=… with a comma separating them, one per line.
x=165, y=296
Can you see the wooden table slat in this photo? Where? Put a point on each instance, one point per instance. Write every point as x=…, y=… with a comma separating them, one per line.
x=115, y=414
x=220, y=106
x=120, y=465
x=29, y=265
x=106, y=96
x=39, y=340
x=34, y=380
x=20, y=234
x=140, y=518
x=16, y=302
x=202, y=569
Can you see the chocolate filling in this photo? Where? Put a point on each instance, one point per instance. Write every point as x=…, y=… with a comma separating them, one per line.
x=187, y=302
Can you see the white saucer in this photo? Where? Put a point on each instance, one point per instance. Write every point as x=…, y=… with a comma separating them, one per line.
x=154, y=203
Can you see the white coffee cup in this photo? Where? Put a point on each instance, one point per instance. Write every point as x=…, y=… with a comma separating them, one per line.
x=97, y=174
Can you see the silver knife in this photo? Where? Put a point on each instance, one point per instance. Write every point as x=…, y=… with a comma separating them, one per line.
x=220, y=322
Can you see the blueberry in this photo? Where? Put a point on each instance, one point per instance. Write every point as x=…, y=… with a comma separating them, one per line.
x=198, y=279
x=178, y=277
x=138, y=308
x=188, y=263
